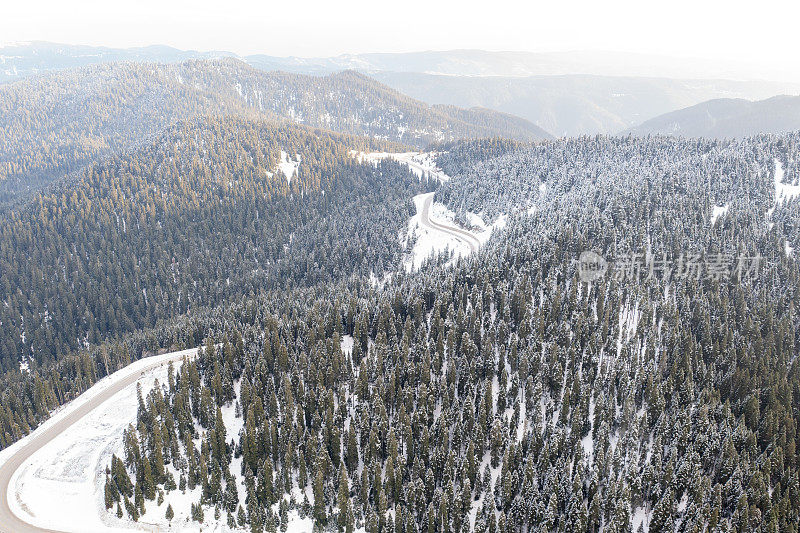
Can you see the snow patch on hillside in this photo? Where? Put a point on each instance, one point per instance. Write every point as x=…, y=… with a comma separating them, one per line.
x=485, y=231
x=587, y=442
x=718, y=211
x=422, y=164
x=379, y=282
x=288, y=166
x=347, y=344
x=640, y=518
x=784, y=192
x=628, y=322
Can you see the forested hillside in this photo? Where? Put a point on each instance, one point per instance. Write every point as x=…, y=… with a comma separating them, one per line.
x=211, y=211
x=353, y=103
x=506, y=394
x=502, y=393
x=53, y=124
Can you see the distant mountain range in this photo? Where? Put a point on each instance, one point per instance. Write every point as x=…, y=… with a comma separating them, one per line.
x=26, y=58
x=575, y=104
x=526, y=64
x=566, y=94
x=52, y=124
x=727, y=118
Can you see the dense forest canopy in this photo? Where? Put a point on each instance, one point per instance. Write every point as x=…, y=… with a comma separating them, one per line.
x=499, y=392
x=504, y=393
x=204, y=214
x=54, y=124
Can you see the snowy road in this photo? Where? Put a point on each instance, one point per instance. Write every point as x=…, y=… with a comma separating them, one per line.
x=19, y=454
x=462, y=235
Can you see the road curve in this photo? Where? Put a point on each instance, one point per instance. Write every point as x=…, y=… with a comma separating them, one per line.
x=462, y=235
x=10, y=522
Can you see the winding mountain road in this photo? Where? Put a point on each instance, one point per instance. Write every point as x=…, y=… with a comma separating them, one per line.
x=462, y=235
x=11, y=522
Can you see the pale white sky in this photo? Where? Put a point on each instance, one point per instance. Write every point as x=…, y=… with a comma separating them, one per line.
x=764, y=31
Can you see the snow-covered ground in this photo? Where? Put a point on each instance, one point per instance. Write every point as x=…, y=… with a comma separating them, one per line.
x=154, y=517
x=347, y=344
x=783, y=191
x=640, y=517
x=430, y=241
x=420, y=163
x=718, y=211
x=288, y=166
x=61, y=485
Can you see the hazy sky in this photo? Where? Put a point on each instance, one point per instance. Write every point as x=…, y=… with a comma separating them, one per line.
x=753, y=32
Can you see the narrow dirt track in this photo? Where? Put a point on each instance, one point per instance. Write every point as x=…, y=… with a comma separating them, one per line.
x=10, y=522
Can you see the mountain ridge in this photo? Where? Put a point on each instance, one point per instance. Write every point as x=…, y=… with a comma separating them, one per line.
x=473, y=62
x=54, y=123
x=564, y=94
x=727, y=118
